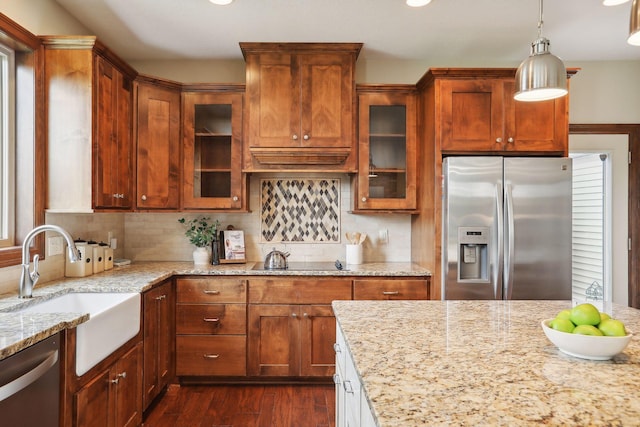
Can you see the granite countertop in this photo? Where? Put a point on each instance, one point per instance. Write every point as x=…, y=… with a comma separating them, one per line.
x=18, y=331
x=484, y=363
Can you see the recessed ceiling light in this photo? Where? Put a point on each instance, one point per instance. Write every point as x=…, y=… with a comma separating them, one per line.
x=221, y=2
x=418, y=3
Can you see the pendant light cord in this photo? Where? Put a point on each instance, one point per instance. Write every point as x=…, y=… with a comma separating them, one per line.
x=540, y=22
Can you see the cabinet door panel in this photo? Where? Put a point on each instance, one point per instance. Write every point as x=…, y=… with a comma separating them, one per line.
x=472, y=118
x=273, y=340
x=215, y=319
x=158, y=145
x=327, y=101
x=128, y=374
x=318, y=334
x=94, y=406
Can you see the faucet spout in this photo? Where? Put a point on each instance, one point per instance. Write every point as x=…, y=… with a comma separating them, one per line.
x=28, y=279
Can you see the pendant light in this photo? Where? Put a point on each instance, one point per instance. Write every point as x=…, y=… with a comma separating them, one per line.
x=634, y=24
x=542, y=75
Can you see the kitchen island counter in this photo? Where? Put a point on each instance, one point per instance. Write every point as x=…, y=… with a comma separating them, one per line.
x=483, y=363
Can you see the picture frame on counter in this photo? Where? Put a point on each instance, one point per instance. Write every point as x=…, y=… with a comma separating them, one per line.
x=232, y=247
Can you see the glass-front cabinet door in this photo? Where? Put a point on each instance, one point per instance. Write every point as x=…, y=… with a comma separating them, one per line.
x=387, y=148
x=212, y=145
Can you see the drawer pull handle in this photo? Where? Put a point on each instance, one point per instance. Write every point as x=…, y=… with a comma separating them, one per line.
x=214, y=292
x=211, y=319
x=211, y=356
x=390, y=293
x=161, y=297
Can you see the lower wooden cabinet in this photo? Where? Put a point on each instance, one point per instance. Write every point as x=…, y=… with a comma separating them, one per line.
x=291, y=327
x=391, y=289
x=159, y=326
x=211, y=327
x=112, y=398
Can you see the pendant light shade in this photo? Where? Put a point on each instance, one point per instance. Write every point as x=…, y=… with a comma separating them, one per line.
x=541, y=76
x=634, y=24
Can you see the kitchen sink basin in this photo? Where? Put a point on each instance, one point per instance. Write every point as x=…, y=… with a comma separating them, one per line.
x=114, y=318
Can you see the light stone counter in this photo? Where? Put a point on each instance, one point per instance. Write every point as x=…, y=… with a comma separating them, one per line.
x=484, y=363
x=18, y=331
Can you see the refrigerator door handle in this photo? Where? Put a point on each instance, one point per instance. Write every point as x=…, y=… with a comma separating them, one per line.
x=509, y=242
x=498, y=252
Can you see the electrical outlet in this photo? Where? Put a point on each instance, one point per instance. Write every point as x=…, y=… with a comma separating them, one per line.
x=383, y=236
x=54, y=245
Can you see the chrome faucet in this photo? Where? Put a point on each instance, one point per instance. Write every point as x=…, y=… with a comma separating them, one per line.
x=28, y=279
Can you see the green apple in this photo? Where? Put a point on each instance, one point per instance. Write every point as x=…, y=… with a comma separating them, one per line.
x=562, y=325
x=612, y=328
x=585, y=314
x=587, y=330
x=604, y=316
x=564, y=314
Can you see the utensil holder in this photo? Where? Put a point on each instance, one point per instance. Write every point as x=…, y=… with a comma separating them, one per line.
x=354, y=254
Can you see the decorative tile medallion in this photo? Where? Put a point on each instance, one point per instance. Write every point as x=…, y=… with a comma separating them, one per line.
x=300, y=210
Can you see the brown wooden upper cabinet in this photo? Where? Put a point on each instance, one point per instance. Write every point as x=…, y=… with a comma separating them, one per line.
x=89, y=96
x=478, y=114
x=212, y=150
x=157, y=144
x=387, y=148
x=300, y=106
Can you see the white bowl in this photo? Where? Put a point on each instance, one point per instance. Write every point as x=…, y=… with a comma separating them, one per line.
x=586, y=346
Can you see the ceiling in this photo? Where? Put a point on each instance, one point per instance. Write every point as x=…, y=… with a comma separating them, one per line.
x=445, y=32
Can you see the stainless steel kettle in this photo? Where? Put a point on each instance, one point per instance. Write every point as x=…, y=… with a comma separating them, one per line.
x=276, y=260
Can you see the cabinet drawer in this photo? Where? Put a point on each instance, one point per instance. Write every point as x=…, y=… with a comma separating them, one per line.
x=217, y=319
x=211, y=290
x=375, y=289
x=298, y=291
x=219, y=355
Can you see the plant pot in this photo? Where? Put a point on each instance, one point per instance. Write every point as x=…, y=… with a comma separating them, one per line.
x=201, y=256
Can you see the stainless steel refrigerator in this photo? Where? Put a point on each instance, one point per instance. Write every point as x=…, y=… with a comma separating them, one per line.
x=506, y=228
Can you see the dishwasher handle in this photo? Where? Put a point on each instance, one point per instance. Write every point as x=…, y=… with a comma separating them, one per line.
x=9, y=389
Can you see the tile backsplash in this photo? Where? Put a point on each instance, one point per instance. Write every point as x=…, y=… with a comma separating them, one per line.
x=159, y=236
x=300, y=210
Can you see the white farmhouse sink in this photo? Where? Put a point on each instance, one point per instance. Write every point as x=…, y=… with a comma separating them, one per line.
x=114, y=318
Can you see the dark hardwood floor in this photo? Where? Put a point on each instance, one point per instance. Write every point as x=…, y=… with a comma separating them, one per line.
x=244, y=406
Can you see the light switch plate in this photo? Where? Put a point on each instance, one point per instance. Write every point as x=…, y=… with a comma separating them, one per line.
x=54, y=245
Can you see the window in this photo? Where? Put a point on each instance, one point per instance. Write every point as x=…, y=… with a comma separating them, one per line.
x=7, y=147
x=22, y=148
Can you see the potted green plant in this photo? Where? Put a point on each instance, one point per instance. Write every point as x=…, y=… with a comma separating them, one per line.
x=201, y=232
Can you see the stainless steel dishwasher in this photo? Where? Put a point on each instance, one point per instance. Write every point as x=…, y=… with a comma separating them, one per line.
x=30, y=385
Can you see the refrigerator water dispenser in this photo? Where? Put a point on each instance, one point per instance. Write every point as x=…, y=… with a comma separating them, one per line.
x=473, y=257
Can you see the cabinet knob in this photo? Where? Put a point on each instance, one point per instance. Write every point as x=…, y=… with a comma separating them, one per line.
x=336, y=379
x=364, y=199
x=499, y=140
x=235, y=198
x=306, y=137
x=294, y=137
x=122, y=375
x=294, y=315
x=144, y=197
x=305, y=315
x=336, y=347
x=161, y=297
x=510, y=139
